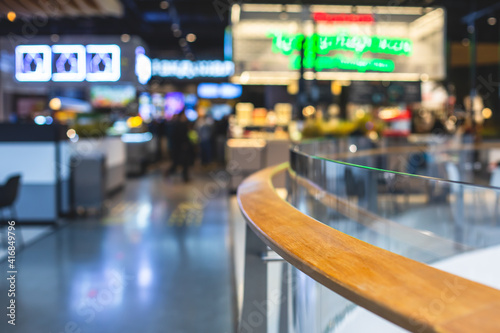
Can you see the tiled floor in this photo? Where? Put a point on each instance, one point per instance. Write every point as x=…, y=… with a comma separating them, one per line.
x=159, y=261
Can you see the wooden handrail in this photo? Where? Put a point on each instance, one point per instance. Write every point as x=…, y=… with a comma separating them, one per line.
x=410, y=294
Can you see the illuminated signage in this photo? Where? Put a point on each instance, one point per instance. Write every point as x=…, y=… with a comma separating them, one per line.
x=185, y=69
x=343, y=18
x=68, y=63
x=103, y=63
x=322, y=44
x=362, y=43
x=317, y=47
x=390, y=43
x=33, y=63
x=350, y=63
x=229, y=90
x=223, y=90
x=208, y=90
x=142, y=65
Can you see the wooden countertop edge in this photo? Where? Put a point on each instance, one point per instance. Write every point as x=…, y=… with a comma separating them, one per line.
x=410, y=294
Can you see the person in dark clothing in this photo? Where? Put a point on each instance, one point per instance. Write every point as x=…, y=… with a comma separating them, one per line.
x=182, y=149
x=219, y=138
x=157, y=128
x=204, y=127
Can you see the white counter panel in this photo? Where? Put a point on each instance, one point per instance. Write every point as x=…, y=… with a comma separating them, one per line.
x=35, y=161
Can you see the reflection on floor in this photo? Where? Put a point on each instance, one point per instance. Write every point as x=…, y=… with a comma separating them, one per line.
x=29, y=235
x=157, y=262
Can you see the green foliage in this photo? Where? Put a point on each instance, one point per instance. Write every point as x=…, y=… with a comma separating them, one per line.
x=92, y=130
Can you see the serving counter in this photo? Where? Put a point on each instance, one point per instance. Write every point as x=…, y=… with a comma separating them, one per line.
x=113, y=150
x=246, y=156
x=41, y=155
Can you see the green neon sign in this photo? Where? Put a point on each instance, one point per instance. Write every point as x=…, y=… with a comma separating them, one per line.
x=362, y=44
x=288, y=43
x=316, y=47
x=340, y=61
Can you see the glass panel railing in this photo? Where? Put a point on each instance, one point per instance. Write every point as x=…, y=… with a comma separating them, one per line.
x=436, y=203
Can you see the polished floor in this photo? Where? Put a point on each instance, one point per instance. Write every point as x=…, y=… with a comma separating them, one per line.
x=157, y=261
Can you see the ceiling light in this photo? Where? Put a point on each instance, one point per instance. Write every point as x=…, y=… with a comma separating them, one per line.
x=487, y=113
x=54, y=38
x=71, y=133
x=191, y=37
x=177, y=33
x=11, y=16
x=492, y=21
x=308, y=111
x=125, y=38
x=40, y=120
x=55, y=104
x=164, y=4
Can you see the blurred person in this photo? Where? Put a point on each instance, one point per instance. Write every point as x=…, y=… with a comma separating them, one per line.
x=204, y=126
x=156, y=127
x=474, y=106
x=182, y=149
x=169, y=128
x=219, y=138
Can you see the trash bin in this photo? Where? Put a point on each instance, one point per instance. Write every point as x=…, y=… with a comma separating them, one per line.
x=88, y=184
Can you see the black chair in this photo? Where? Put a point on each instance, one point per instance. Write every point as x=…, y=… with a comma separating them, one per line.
x=8, y=196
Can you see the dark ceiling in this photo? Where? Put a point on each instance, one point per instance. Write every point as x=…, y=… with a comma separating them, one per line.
x=206, y=19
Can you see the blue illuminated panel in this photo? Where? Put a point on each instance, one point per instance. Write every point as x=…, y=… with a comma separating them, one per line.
x=69, y=63
x=185, y=69
x=103, y=63
x=229, y=90
x=208, y=90
x=223, y=90
x=228, y=44
x=33, y=63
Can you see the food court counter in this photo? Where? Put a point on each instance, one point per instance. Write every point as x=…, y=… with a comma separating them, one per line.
x=41, y=155
x=246, y=156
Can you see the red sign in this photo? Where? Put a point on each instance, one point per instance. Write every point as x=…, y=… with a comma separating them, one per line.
x=343, y=18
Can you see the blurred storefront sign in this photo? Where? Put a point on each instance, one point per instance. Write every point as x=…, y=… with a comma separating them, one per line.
x=73, y=62
x=317, y=47
x=337, y=43
x=186, y=69
x=342, y=18
x=68, y=63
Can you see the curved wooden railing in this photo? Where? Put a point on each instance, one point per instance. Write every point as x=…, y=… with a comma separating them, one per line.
x=410, y=294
